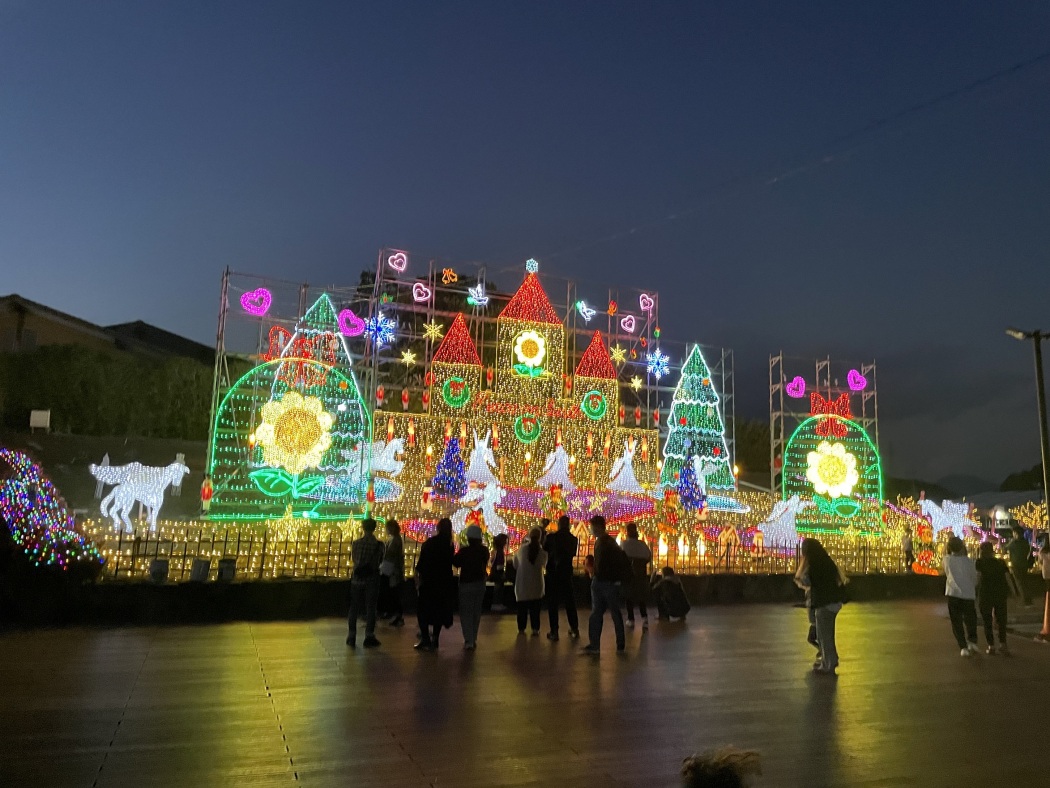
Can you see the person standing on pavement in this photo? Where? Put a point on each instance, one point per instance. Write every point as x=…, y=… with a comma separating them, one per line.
x=1020, y=553
x=908, y=547
x=827, y=593
x=393, y=575
x=994, y=590
x=640, y=556
x=436, y=586
x=960, y=586
x=498, y=571
x=472, y=560
x=529, y=562
x=561, y=547
x=367, y=555
x=611, y=568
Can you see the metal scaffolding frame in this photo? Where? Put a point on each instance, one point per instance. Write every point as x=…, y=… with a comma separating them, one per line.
x=243, y=338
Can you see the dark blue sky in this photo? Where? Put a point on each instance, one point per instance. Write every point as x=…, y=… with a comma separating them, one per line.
x=145, y=146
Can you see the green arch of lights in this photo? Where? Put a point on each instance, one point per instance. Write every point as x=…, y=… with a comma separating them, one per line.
x=367, y=421
x=811, y=422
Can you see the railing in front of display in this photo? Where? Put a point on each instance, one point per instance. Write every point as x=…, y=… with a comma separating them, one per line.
x=258, y=555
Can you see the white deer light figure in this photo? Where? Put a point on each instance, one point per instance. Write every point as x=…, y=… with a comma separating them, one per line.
x=703, y=470
x=622, y=473
x=949, y=514
x=482, y=463
x=483, y=497
x=136, y=482
x=779, y=528
x=384, y=456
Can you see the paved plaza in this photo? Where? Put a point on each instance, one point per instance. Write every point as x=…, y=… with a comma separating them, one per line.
x=281, y=704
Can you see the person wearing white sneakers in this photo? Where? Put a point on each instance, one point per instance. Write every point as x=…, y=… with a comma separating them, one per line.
x=960, y=586
x=638, y=589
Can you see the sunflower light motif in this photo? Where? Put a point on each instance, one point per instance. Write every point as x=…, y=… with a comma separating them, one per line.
x=295, y=432
x=832, y=470
x=530, y=348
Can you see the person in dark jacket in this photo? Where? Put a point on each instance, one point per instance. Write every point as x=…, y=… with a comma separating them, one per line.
x=473, y=561
x=827, y=592
x=638, y=588
x=610, y=570
x=671, y=601
x=1021, y=560
x=993, y=592
x=561, y=547
x=436, y=586
x=498, y=571
x=367, y=555
x=393, y=575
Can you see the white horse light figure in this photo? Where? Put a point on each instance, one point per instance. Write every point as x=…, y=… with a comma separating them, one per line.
x=384, y=456
x=779, y=528
x=136, y=482
x=482, y=463
x=622, y=473
x=556, y=471
x=483, y=497
x=949, y=514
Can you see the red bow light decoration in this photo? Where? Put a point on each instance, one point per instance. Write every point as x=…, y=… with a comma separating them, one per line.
x=827, y=428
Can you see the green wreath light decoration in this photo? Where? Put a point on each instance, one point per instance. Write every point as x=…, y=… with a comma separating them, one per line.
x=527, y=429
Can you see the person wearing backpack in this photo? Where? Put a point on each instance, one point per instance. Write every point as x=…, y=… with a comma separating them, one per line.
x=611, y=569
x=367, y=555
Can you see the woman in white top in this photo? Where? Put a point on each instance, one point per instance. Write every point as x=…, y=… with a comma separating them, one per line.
x=529, y=562
x=960, y=587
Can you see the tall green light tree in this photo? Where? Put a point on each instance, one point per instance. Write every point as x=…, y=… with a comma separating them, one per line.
x=695, y=428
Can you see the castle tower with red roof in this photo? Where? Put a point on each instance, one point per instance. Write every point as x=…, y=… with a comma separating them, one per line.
x=594, y=383
x=531, y=345
x=455, y=371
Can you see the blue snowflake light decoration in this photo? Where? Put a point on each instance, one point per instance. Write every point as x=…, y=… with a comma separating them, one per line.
x=532, y=266
x=657, y=363
x=381, y=329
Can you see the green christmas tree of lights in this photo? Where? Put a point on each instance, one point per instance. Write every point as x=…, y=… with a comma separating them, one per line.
x=695, y=427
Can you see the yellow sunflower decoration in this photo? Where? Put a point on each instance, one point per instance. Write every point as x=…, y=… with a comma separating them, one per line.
x=530, y=348
x=295, y=432
x=832, y=470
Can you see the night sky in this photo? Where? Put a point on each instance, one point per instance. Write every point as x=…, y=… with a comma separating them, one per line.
x=145, y=146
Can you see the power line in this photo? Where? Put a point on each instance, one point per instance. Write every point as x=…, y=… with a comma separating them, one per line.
x=853, y=139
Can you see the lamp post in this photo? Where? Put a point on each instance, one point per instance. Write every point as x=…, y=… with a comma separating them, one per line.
x=1037, y=338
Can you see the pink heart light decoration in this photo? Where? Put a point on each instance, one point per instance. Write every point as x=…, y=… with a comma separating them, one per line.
x=398, y=261
x=856, y=381
x=421, y=293
x=646, y=303
x=256, y=302
x=627, y=323
x=350, y=324
x=796, y=388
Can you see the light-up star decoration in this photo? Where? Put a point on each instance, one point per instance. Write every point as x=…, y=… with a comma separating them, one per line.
x=597, y=502
x=476, y=295
x=381, y=329
x=532, y=266
x=618, y=354
x=636, y=383
x=657, y=363
x=408, y=358
x=433, y=331
x=585, y=311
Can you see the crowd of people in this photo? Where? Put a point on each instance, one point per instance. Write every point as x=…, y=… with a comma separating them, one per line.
x=541, y=571
x=986, y=585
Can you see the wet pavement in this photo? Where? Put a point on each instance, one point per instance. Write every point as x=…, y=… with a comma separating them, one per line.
x=284, y=704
